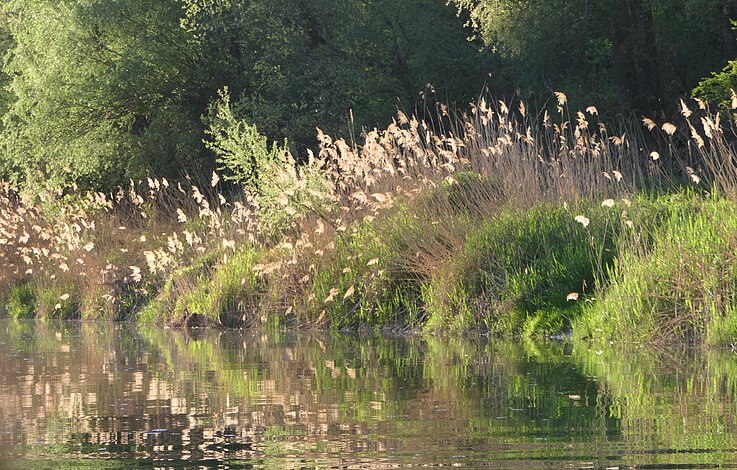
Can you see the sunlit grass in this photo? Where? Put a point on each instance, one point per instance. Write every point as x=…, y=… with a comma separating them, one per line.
x=494, y=220
x=674, y=277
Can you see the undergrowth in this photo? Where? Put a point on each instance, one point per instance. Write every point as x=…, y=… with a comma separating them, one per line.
x=494, y=221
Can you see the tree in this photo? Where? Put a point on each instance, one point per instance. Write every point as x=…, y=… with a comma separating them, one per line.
x=321, y=59
x=104, y=90
x=625, y=54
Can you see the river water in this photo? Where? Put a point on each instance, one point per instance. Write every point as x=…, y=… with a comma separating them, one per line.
x=118, y=396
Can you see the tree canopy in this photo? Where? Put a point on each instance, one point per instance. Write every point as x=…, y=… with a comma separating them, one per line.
x=103, y=90
x=99, y=91
x=621, y=54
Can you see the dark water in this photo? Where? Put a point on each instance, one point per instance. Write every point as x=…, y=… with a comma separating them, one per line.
x=116, y=396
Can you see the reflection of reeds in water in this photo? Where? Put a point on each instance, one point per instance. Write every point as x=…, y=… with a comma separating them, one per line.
x=679, y=397
x=77, y=388
x=217, y=391
x=106, y=387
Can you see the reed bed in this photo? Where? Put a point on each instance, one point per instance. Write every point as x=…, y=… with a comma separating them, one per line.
x=495, y=219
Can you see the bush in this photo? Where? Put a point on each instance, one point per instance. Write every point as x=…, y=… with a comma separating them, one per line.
x=286, y=189
x=242, y=151
x=719, y=88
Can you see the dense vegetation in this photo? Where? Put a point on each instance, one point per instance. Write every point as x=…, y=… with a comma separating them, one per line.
x=106, y=90
x=97, y=92
x=163, y=160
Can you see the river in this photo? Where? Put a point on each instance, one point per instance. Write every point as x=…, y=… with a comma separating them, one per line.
x=102, y=395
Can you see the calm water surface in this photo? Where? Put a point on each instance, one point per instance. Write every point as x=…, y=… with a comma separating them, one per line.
x=117, y=396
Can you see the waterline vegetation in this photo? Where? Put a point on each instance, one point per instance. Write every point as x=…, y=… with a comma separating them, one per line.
x=496, y=220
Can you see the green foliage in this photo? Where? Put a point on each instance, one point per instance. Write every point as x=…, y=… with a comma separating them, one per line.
x=515, y=272
x=675, y=279
x=58, y=301
x=286, y=189
x=296, y=65
x=170, y=303
x=7, y=42
x=357, y=286
x=102, y=91
x=241, y=151
x=289, y=191
x=638, y=54
x=152, y=313
x=21, y=302
x=719, y=88
x=41, y=300
x=219, y=288
x=232, y=295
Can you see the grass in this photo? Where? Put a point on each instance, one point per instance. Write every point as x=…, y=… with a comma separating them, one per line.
x=490, y=221
x=218, y=288
x=675, y=277
x=222, y=294
x=354, y=284
x=50, y=301
x=516, y=271
x=21, y=302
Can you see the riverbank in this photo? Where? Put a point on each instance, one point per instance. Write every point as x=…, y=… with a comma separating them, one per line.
x=492, y=221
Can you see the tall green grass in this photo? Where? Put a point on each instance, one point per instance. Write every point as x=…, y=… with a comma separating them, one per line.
x=674, y=276
x=519, y=271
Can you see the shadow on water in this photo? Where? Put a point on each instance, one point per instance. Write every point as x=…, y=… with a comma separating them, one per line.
x=118, y=396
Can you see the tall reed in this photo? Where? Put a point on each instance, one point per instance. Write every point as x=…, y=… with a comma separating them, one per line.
x=365, y=232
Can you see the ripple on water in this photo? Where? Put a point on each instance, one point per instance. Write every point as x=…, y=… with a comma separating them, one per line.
x=77, y=395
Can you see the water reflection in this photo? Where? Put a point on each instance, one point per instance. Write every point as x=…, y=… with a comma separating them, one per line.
x=124, y=396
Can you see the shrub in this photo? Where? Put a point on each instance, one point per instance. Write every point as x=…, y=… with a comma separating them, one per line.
x=286, y=189
x=242, y=151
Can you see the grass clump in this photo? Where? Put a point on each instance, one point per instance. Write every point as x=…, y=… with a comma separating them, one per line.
x=219, y=288
x=356, y=283
x=169, y=305
x=21, y=301
x=515, y=272
x=231, y=295
x=675, y=276
x=57, y=301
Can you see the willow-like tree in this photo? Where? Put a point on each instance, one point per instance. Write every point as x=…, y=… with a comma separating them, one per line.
x=103, y=90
